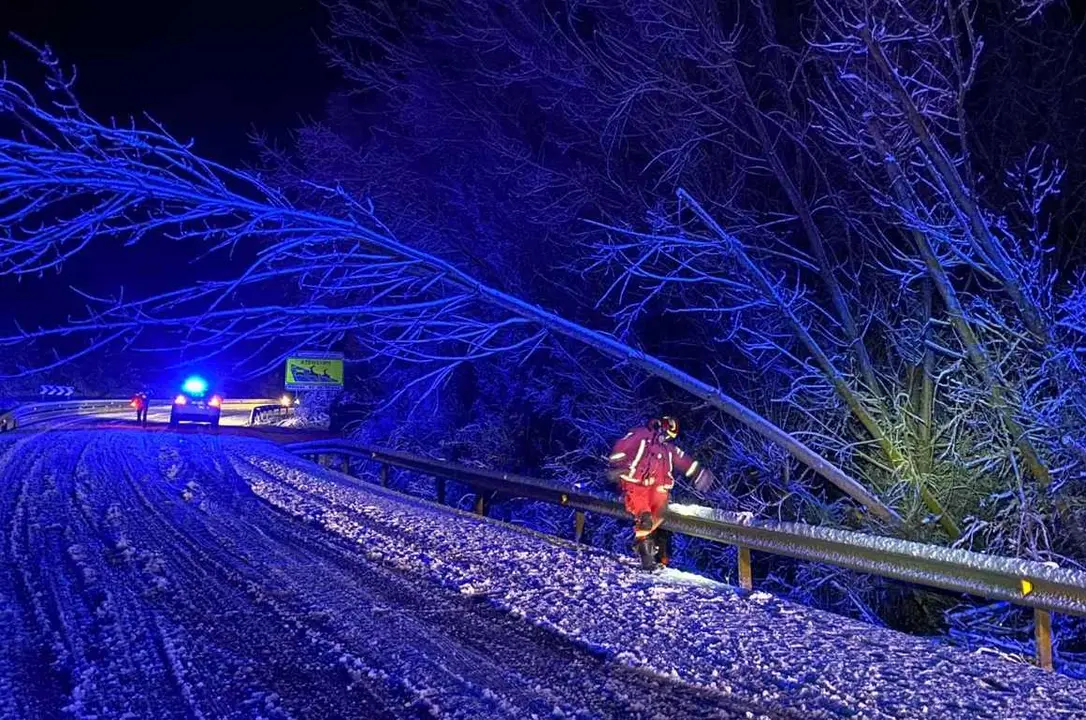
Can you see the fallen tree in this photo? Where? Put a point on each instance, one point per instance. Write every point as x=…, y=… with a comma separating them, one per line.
x=68, y=180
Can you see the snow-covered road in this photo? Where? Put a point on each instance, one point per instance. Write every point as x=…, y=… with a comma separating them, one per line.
x=161, y=575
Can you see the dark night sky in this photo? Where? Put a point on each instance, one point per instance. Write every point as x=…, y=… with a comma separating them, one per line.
x=208, y=70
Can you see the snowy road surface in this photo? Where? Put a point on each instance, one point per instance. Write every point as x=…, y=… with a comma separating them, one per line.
x=166, y=575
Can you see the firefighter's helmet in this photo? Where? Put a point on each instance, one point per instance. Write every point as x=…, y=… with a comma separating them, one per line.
x=670, y=427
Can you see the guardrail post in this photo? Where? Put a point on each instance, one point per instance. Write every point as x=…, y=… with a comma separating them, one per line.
x=1042, y=636
x=441, y=490
x=746, y=579
x=345, y=464
x=384, y=476
x=578, y=526
x=480, y=504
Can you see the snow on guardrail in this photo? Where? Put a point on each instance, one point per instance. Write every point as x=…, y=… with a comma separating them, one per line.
x=1023, y=582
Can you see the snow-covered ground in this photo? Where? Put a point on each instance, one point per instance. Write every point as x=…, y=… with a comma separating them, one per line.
x=161, y=575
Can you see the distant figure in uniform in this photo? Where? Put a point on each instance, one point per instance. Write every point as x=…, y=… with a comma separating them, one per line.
x=643, y=463
x=142, y=401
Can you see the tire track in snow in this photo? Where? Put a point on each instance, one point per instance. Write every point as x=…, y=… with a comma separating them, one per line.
x=35, y=644
x=133, y=630
x=25, y=656
x=177, y=593
x=74, y=597
x=195, y=556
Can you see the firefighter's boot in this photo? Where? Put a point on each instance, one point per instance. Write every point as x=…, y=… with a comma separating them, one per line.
x=645, y=546
x=663, y=547
x=646, y=551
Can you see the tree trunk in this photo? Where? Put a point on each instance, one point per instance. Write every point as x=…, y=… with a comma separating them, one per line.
x=988, y=247
x=829, y=370
x=814, y=236
x=976, y=353
x=926, y=406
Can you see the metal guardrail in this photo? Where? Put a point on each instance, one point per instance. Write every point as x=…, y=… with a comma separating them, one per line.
x=1041, y=586
x=28, y=414
x=261, y=412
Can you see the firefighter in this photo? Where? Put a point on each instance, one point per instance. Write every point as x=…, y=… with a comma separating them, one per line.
x=643, y=463
x=141, y=401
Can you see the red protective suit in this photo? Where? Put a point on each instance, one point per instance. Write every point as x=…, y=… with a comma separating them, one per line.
x=645, y=463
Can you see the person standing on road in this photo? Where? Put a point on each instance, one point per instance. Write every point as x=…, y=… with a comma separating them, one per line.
x=142, y=402
x=643, y=462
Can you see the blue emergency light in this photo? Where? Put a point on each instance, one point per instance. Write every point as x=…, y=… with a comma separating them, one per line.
x=195, y=385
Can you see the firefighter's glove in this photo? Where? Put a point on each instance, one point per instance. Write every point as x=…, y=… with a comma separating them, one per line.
x=614, y=476
x=705, y=480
